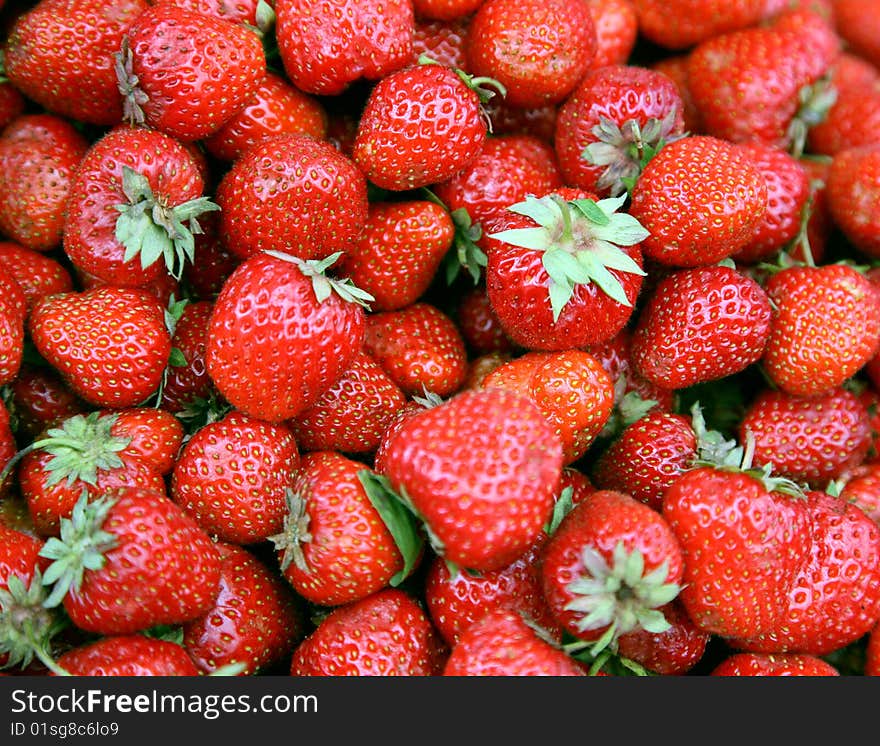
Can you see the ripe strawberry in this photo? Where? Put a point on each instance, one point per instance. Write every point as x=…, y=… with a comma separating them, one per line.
x=128, y=655
x=445, y=10
x=384, y=634
x=186, y=383
x=699, y=325
x=511, y=120
x=608, y=568
x=419, y=347
x=479, y=325
x=612, y=125
x=856, y=23
x=398, y=252
x=353, y=413
x=38, y=156
x=13, y=310
x=700, y=199
x=411, y=407
x=853, y=192
x=671, y=653
x=825, y=327
x=247, y=12
x=232, y=477
x=41, y=400
x=862, y=489
x=294, y=194
x=326, y=46
x=135, y=198
x=420, y=125
x=110, y=344
x=186, y=73
x=131, y=560
x=683, y=23
x=7, y=448
x=255, y=619
x=439, y=40
x=675, y=67
x=780, y=664
x=59, y=49
x=205, y=277
x=481, y=366
x=274, y=297
x=570, y=387
x=11, y=101
x=564, y=270
x=154, y=435
x=617, y=27
x=872, y=653
x=504, y=643
x=478, y=518
x=538, y=50
x=37, y=274
x=808, y=439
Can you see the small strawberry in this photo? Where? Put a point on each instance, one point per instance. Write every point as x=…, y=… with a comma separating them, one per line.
x=189, y=381
x=154, y=435
x=440, y=40
x=128, y=655
x=780, y=664
x=680, y=24
x=13, y=310
x=675, y=67
x=617, y=29
x=853, y=193
x=37, y=274
x=11, y=101
x=42, y=400
x=479, y=325
x=673, y=652
x=862, y=489
x=445, y=10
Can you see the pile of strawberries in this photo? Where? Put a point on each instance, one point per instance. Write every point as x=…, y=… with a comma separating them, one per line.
x=440, y=337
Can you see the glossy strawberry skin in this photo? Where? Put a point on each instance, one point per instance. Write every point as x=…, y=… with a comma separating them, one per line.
x=484, y=519
x=445, y=10
x=185, y=383
x=700, y=199
x=13, y=312
x=63, y=47
x=37, y=274
x=617, y=28
x=684, y=23
x=857, y=25
x=294, y=194
x=671, y=653
x=42, y=400
x=421, y=125
x=699, y=325
x=110, y=344
x=786, y=664
x=128, y=655
x=441, y=41
x=853, y=190
x=385, y=634
x=287, y=358
x=479, y=325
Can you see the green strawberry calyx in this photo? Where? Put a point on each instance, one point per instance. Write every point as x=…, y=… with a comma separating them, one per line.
x=324, y=285
x=294, y=534
x=81, y=447
x=581, y=242
x=619, y=596
x=485, y=87
x=151, y=229
x=81, y=547
x=624, y=150
x=815, y=101
x=465, y=252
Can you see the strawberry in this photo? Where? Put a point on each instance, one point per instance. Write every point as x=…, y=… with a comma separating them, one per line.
x=398, y=252
x=808, y=439
x=856, y=23
x=110, y=344
x=275, y=108
x=617, y=28
x=154, y=435
x=135, y=198
x=7, y=448
x=41, y=400
x=673, y=652
x=481, y=366
x=294, y=194
x=700, y=199
x=784, y=664
x=411, y=407
x=502, y=642
x=853, y=192
x=608, y=567
x=205, y=278
x=13, y=310
x=675, y=67
x=247, y=12
x=825, y=327
x=564, y=270
x=480, y=519
x=232, y=477
x=326, y=46
x=511, y=120
x=128, y=655
x=680, y=24
x=479, y=325
x=255, y=619
x=189, y=381
x=38, y=156
x=862, y=489
x=699, y=325
x=445, y=10
x=420, y=125
x=185, y=73
x=11, y=101
x=384, y=634
x=37, y=274
x=353, y=413
x=439, y=40
x=613, y=123
x=419, y=347
x=272, y=297
x=59, y=49
x=128, y=561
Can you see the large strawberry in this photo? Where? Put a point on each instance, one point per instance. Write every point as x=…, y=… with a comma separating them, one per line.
x=36, y=273
x=127, y=655
x=853, y=193
x=617, y=30
x=784, y=664
x=281, y=334
x=680, y=24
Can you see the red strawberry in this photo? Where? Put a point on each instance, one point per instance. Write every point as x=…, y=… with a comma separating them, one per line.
x=419, y=347
x=326, y=46
x=862, y=489
x=503, y=643
x=700, y=199
x=110, y=344
x=275, y=107
x=39, y=154
x=699, y=325
x=478, y=518
x=784, y=664
x=384, y=634
x=185, y=73
x=445, y=10
x=41, y=400
x=353, y=413
x=825, y=327
x=291, y=193
x=683, y=23
x=613, y=123
x=61, y=49
x=511, y=120
x=439, y=40
x=131, y=560
x=205, y=278
x=7, y=447
x=134, y=200
x=13, y=310
x=671, y=653
x=36, y=274
x=128, y=655
x=255, y=619
x=281, y=334
x=247, y=12
x=232, y=477
x=481, y=366
x=479, y=325
x=856, y=23
x=420, y=125
x=617, y=28
x=154, y=435
x=675, y=67
x=189, y=381
x=11, y=101
x=853, y=193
